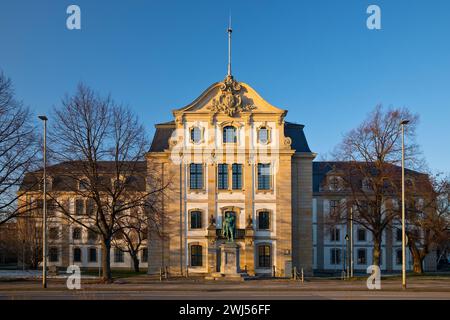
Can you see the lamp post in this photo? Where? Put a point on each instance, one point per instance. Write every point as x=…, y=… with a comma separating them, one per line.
x=403, y=123
x=347, y=269
x=44, y=209
x=351, y=241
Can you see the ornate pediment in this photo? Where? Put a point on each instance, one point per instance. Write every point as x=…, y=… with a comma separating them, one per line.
x=230, y=100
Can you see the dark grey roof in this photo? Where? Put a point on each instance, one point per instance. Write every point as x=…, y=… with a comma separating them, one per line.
x=321, y=169
x=162, y=135
x=62, y=175
x=295, y=132
x=292, y=130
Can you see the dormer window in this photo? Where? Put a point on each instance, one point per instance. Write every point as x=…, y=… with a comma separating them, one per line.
x=229, y=134
x=196, y=135
x=263, y=135
x=334, y=183
x=83, y=185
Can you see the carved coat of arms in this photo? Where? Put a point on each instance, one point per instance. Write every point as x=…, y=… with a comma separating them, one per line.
x=230, y=101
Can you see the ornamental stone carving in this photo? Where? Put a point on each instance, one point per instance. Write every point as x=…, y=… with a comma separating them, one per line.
x=230, y=101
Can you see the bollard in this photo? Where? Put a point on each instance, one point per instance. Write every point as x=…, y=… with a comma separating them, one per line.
x=295, y=273
x=160, y=274
x=273, y=271
x=303, y=276
x=166, y=273
x=187, y=272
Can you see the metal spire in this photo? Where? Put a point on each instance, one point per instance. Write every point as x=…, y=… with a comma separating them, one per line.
x=229, y=47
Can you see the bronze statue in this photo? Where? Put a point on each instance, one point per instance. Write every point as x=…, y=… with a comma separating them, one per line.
x=228, y=227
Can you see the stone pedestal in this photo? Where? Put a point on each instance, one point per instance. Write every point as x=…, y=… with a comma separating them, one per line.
x=229, y=264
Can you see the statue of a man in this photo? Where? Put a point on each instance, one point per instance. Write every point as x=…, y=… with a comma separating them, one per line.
x=228, y=227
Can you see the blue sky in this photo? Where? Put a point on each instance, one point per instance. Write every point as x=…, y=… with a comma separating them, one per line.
x=314, y=58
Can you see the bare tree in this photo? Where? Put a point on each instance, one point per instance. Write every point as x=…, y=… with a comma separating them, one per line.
x=372, y=153
x=427, y=217
x=102, y=147
x=18, y=148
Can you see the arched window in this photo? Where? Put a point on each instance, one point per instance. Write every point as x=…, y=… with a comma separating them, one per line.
x=76, y=255
x=196, y=135
x=229, y=134
x=83, y=185
x=196, y=256
x=263, y=135
x=264, y=256
x=196, y=219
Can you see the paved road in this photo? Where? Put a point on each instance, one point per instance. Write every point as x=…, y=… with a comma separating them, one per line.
x=143, y=288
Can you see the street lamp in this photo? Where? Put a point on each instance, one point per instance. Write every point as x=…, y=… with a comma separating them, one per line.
x=403, y=123
x=44, y=214
x=347, y=269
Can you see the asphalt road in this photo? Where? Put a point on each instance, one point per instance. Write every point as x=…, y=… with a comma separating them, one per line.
x=142, y=288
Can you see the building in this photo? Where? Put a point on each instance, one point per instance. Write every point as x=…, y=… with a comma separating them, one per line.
x=229, y=153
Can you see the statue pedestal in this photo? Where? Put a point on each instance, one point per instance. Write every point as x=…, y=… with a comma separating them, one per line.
x=229, y=264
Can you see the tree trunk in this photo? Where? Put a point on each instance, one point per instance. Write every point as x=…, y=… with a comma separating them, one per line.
x=135, y=258
x=417, y=258
x=376, y=257
x=106, y=261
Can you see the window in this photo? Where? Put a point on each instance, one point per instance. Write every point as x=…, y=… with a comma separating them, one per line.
x=237, y=176
x=196, y=176
x=361, y=235
x=90, y=207
x=229, y=134
x=92, y=236
x=76, y=255
x=196, y=256
x=398, y=257
x=53, y=255
x=92, y=255
x=53, y=233
x=335, y=256
x=361, y=256
x=335, y=234
x=144, y=256
x=79, y=207
x=334, y=207
x=264, y=220
x=118, y=255
x=264, y=176
x=334, y=183
x=264, y=258
x=76, y=234
x=222, y=176
x=196, y=220
x=83, y=185
x=366, y=184
x=196, y=135
x=263, y=135
x=398, y=235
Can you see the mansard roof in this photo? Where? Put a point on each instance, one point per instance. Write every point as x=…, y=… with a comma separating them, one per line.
x=321, y=169
x=292, y=130
x=61, y=175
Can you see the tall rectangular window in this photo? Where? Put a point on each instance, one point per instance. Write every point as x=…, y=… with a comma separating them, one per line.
x=361, y=235
x=335, y=234
x=53, y=255
x=335, y=256
x=196, y=176
x=264, y=257
x=222, y=176
x=196, y=220
x=196, y=256
x=118, y=255
x=264, y=176
x=237, y=176
x=362, y=256
x=264, y=220
x=79, y=207
x=92, y=254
